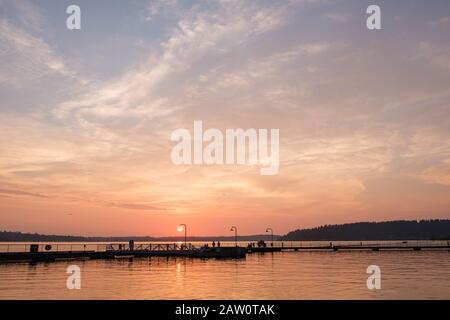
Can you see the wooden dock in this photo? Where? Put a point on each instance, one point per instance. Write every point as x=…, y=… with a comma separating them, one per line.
x=362, y=247
x=124, y=251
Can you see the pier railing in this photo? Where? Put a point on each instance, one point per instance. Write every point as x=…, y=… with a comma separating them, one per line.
x=157, y=246
x=145, y=247
x=356, y=244
x=97, y=247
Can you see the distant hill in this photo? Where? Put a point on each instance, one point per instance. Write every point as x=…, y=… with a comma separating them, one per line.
x=389, y=230
x=9, y=236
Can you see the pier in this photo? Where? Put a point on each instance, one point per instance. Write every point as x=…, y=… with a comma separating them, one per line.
x=362, y=246
x=43, y=253
x=89, y=251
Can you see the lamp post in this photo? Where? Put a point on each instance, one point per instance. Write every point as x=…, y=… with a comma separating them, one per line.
x=271, y=231
x=233, y=228
x=180, y=228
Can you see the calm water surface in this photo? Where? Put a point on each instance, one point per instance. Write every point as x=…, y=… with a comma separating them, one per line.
x=286, y=275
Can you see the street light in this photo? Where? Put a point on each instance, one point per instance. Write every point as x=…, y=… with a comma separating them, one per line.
x=180, y=228
x=270, y=229
x=233, y=228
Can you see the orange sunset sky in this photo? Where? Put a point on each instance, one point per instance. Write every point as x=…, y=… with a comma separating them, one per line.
x=86, y=115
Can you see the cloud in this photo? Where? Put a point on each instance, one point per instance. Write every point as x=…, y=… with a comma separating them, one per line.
x=157, y=8
x=441, y=23
x=200, y=34
x=138, y=206
x=439, y=173
x=256, y=71
x=22, y=193
x=26, y=58
x=28, y=15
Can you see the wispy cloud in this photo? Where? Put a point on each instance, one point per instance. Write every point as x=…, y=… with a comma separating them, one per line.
x=21, y=193
x=198, y=35
x=26, y=58
x=443, y=22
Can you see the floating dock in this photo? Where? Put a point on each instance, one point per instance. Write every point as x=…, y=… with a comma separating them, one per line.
x=362, y=247
x=125, y=252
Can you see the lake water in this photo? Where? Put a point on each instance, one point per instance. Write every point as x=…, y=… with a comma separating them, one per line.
x=283, y=275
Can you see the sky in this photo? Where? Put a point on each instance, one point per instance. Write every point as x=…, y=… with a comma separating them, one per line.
x=86, y=115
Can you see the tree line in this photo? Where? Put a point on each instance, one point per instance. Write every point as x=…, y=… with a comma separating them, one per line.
x=388, y=230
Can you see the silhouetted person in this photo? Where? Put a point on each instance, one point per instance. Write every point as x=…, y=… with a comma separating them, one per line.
x=218, y=244
x=214, y=244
